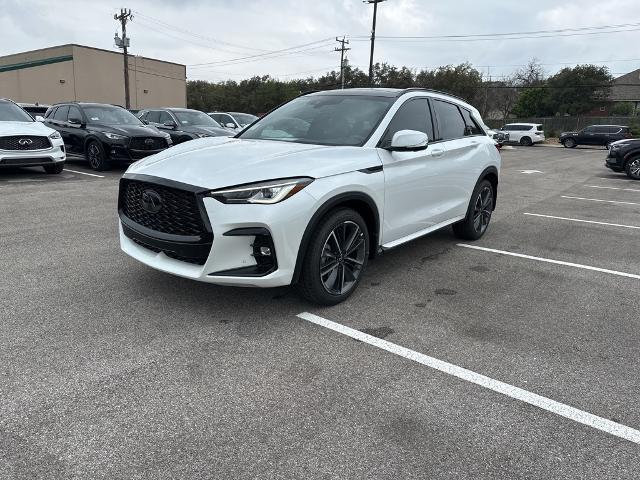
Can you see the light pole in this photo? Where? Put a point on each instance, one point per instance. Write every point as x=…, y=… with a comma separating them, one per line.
x=373, y=36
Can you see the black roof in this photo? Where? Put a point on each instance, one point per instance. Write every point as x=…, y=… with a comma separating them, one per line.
x=380, y=92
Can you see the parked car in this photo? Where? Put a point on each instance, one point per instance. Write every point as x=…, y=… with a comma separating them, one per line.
x=36, y=110
x=183, y=124
x=527, y=134
x=624, y=156
x=602, y=135
x=104, y=133
x=234, y=120
x=499, y=137
x=27, y=143
x=311, y=191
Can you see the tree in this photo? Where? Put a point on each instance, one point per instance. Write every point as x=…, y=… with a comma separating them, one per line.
x=461, y=80
x=577, y=90
x=533, y=102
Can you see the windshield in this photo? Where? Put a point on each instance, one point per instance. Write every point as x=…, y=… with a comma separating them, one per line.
x=190, y=118
x=10, y=112
x=340, y=120
x=107, y=115
x=244, y=119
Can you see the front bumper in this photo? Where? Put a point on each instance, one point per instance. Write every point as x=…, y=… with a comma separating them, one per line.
x=614, y=161
x=33, y=158
x=237, y=234
x=124, y=153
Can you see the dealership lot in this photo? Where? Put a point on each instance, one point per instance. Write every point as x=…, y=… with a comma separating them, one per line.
x=112, y=370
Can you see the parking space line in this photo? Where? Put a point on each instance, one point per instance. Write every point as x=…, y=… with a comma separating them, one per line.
x=549, y=260
x=84, y=173
x=581, y=221
x=598, y=200
x=579, y=416
x=614, y=188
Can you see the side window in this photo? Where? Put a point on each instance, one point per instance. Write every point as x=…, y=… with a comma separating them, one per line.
x=217, y=117
x=153, y=116
x=164, y=117
x=414, y=114
x=50, y=112
x=450, y=121
x=590, y=130
x=61, y=113
x=143, y=116
x=74, y=112
x=472, y=127
x=227, y=119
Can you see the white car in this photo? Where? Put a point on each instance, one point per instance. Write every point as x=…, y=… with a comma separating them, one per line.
x=233, y=120
x=312, y=191
x=526, y=134
x=27, y=143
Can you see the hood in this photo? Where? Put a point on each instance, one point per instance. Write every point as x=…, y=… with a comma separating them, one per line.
x=24, y=128
x=223, y=162
x=128, y=130
x=213, y=131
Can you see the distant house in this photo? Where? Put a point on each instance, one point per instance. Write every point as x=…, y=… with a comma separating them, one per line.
x=624, y=89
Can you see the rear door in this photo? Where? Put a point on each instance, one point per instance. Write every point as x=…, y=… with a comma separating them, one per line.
x=587, y=136
x=75, y=133
x=59, y=121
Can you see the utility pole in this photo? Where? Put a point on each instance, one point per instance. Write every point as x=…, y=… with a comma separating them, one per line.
x=342, y=49
x=373, y=36
x=124, y=17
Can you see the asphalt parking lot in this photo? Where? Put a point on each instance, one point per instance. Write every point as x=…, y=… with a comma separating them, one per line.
x=112, y=370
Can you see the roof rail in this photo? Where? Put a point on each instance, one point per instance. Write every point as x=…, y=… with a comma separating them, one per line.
x=420, y=89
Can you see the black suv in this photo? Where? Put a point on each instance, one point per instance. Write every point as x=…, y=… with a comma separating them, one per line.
x=602, y=135
x=183, y=124
x=104, y=133
x=624, y=156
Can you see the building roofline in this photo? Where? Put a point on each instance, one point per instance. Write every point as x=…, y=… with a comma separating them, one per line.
x=91, y=48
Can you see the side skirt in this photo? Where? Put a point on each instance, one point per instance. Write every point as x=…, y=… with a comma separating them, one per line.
x=420, y=233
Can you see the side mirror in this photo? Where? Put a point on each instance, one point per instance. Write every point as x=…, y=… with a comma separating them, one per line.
x=230, y=125
x=75, y=121
x=409, y=140
x=170, y=124
x=39, y=118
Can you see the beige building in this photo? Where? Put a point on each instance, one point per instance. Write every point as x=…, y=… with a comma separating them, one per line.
x=85, y=74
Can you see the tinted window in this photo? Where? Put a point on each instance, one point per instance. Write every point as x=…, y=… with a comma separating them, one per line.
x=589, y=130
x=323, y=119
x=74, y=112
x=216, y=116
x=472, y=126
x=50, y=112
x=615, y=130
x=244, y=118
x=450, y=121
x=153, y=116
x=164, y=117
x=601, y=129
x=412, y=115
x=110, y=115
x=61, y=113
x=194, y=117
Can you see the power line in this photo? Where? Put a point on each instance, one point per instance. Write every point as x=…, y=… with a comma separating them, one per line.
x=124, y=17
x=373, y=36
x=342, y=50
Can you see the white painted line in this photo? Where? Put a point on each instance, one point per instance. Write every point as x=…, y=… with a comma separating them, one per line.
x=84, y=173
x=529, y=172
x=614, y=188
x=549, y=260
x=582, y=221
x=598, y=200
x=580, y=416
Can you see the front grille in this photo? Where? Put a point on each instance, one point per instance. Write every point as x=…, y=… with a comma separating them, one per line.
x=179, y=212
x=24, y=142
x=147, y=143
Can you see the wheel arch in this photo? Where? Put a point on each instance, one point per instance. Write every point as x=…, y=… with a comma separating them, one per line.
x=92, y=138
x=358, y=201
x=631, y=156
x=491, y=174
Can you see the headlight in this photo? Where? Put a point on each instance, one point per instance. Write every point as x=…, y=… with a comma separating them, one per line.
x=617, y=146
x=114, y=136
x=55, y=136
x=264, y=192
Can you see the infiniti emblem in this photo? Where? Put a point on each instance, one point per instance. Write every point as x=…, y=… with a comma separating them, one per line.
x=151, y=201
x=25, y=141
x=149, y=141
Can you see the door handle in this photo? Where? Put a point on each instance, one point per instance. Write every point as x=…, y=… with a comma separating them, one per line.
x=438, y=152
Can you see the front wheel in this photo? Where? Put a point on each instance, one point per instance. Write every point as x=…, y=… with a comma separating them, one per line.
x=54, y=169
x=96, y=157
x=633, y=168
x=479, y=213
x=336, y=258
x=569, y=143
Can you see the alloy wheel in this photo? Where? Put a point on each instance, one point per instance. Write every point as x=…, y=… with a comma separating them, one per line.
x=482, y=209
x=94, y=155
x=634, y=168
x=342, y=258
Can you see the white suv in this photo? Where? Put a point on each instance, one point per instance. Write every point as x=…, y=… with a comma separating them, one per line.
x=27, y=143
x=526, y=134
x=312, y=191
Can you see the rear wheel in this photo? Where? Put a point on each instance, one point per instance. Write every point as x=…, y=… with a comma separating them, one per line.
x=54, y=169
x=569, y=143
x=96, y=157
x=633, y=168
x=479, y=213
x=335, y=259
x=526, y=141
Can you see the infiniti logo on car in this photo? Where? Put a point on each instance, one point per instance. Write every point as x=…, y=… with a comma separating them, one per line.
x=25, y=141
x=151, y=201
x=149, y=141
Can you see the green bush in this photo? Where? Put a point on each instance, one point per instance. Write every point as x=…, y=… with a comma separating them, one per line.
x=623, y=109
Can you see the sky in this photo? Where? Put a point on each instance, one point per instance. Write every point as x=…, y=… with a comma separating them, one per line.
x=233, y=39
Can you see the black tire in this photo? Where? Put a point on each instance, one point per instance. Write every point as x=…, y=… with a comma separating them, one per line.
x=633, y=168
x=526, y=142
x=329, y=275
x=476, y=223
x=95, y=155
x=569, y=143
x=54, y=169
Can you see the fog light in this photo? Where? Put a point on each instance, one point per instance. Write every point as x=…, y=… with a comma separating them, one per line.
x=265, y=251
